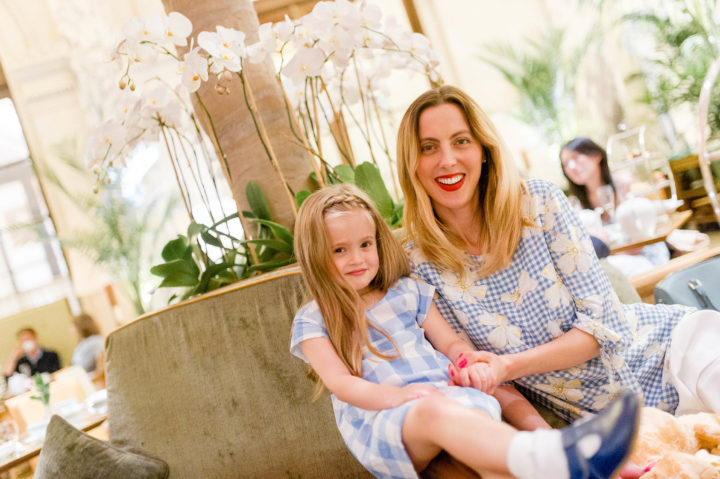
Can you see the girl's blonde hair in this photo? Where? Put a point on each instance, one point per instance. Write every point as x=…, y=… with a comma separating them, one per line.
x=339, y=303
x=500, y=190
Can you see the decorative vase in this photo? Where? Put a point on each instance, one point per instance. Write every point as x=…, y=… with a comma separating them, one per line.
x=637, y=217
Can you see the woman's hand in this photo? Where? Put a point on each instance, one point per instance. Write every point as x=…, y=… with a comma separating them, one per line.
x=479, y=369
x=411, y=392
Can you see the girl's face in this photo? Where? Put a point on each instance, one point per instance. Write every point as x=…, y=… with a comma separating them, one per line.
x=450, y=160
x=353, y=246
x=579, y=167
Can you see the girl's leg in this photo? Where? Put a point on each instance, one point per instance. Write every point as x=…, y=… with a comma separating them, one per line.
x=474, y=438
x=593, y=449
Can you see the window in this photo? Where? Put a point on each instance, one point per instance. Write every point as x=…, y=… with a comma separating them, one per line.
x=32, y=267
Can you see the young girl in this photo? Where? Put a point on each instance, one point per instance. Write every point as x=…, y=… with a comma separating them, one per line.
x=378, y=343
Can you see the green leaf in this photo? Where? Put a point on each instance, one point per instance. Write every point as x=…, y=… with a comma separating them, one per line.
x=345, y=173
x=301, y=196
x=178, y=272
x=211, y=240
x=176, y=249
x=194, y=229
x=271, y=265
x=278, y=230
x=275, y=245
x=368, y=179
x=257, y=201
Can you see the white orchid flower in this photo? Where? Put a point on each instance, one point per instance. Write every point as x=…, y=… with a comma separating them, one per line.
x=557, y=294
x=504, y=332
x=105, y=141
x=370, y=15
x=150, y=30
x=460, y=289
x=339, y=43
x=257, y=52
x=526, y=283
x=307, y=62
x=567, y=390
x=573, y=257
x=194, y=70
x=177, y=28
x=226, y=48
x=284, y=30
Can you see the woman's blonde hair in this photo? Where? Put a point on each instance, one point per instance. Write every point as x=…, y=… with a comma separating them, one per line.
x=339, y=303
x=500, y=190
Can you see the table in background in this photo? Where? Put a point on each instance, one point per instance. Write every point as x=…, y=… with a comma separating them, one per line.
x=676, y=220
x=29, y=451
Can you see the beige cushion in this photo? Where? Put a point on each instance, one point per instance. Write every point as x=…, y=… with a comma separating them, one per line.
x=620, y=283
x=71, y=454
x=210, y=387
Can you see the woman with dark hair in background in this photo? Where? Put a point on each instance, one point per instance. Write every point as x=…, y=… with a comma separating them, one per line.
x=585, y=165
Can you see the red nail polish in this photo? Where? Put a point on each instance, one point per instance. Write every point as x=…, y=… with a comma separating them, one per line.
x=452, y=373
x=463, y=363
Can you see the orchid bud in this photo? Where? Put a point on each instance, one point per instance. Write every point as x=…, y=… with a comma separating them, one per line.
x=132, y=85
x=122, y=83
x=95, y=170
x=110, y=163
x=221, y=90
x=95, y=191
x=107, y=180
x=225, y=76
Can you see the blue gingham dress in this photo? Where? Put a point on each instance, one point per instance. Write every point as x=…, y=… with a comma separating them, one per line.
x=375, y=437
x=554, y=283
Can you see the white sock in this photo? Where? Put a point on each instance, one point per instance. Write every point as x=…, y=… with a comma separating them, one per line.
x=537, y=454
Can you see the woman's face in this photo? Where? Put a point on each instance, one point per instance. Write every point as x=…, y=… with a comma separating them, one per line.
x=450, y=160
x=579, y=167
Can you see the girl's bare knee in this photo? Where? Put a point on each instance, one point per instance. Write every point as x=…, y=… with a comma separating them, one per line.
x=433, y=408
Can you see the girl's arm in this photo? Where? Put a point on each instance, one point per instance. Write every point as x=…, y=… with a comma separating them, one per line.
x=443, y=337
x=354, y=390
x=465, y=370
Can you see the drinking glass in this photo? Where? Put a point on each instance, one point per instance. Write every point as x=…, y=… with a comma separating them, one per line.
x=9, y=432
x=606, y=198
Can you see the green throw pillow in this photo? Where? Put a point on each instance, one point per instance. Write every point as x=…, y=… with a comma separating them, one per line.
x=71, y=454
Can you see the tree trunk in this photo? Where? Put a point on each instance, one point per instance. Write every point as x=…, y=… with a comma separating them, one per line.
x=246, y=157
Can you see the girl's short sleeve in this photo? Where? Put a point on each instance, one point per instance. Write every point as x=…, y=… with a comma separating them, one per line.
x=307, y=324
x=425, y=293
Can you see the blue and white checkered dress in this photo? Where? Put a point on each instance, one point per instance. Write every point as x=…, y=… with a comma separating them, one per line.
x=375, y=437
x=555, y=283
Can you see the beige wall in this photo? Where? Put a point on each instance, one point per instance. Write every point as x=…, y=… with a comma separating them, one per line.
x=52, y=323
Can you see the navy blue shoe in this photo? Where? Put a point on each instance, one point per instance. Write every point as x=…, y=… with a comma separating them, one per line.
x=598, y=447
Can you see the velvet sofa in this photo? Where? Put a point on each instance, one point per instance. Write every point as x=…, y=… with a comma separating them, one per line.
x=209, y=386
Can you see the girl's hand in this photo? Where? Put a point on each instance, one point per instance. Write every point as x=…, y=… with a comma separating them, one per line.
x=477, y=375
x=411, y=392
x=486, y=378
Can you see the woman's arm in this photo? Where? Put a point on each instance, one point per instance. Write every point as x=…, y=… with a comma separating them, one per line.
x=572, y=348
x=354, y=390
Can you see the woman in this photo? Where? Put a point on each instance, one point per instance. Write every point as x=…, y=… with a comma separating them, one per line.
x=91, y=344
x=514, y=270
x=585, y=165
